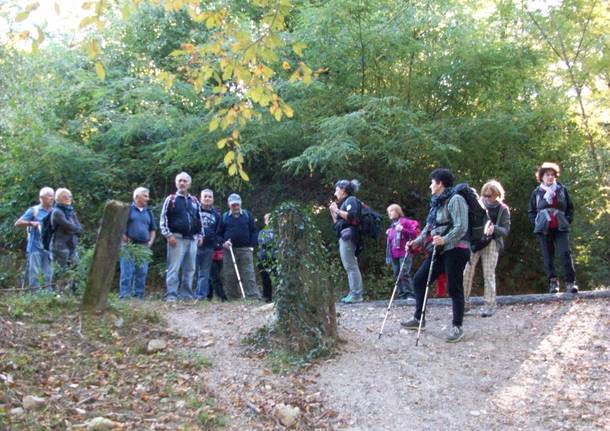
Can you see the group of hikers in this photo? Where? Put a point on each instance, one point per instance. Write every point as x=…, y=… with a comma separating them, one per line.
x=201, y=240
x=450, y=243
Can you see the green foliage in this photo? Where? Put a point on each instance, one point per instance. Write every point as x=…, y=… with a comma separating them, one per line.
x=136, y=253
x=398, y=89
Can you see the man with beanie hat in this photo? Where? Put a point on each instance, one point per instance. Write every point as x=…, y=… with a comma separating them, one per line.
x=237, y=230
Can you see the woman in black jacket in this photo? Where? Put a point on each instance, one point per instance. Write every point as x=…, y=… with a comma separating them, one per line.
x=66, y=230
x=345, y=213
x=551, y=212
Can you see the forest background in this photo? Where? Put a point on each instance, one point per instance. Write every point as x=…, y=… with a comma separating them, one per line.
x=381, y=91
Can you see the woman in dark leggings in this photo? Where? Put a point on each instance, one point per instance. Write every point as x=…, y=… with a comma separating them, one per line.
x=551, y=212
x=447, y=224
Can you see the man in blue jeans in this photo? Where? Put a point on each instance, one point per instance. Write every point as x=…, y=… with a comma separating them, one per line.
x=141, y=231
x=210, y=218
x=39, y=264
x=182, y=226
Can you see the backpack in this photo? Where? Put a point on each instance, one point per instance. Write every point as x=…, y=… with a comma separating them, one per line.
x=47, y=230
x=369, y=224
x=477, y=217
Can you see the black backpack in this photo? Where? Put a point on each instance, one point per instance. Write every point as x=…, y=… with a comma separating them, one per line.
x=369, y=224
x=47, y=230
x=477, y=217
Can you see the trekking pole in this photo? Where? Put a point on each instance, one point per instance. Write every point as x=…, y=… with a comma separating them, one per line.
x=393, y=293
x=423, y=313
x=243, y=294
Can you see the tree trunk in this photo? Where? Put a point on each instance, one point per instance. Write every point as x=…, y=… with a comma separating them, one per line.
x=305, y=300
x=107, y=249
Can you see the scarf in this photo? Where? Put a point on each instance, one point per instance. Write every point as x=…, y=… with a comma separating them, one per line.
x=490, y=205
x=549, y=192
x=67, y=209
x=435, y=203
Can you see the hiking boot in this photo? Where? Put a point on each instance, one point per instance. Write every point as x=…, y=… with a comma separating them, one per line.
x=455, y=334
x=349, y=299
x=412, y=324
x=571, y=287
x=488, y=311
x=553, y=285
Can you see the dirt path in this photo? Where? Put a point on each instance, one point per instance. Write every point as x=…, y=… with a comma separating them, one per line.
x=542, y=366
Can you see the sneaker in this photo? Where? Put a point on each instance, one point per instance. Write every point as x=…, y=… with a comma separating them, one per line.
x=412, y=324
x=554, y=285
x=349, y=299
x=455, y=334
x=488, y=312
x=571, y=287
x=171, y=299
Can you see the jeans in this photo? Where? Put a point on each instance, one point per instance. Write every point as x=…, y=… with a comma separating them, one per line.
x=68, y=261
x=451, y=262
x=548, y=242
x=347, y=251
x=40, y=269
x=245, y=265
x=133, y=279
x=204, y=267
x=181, y=268
x=405, y=284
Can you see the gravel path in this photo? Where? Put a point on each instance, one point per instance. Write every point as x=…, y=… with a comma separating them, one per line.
x=538, y=366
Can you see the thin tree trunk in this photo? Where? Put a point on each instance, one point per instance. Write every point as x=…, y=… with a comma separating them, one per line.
x=362, y=64
x=107, y=249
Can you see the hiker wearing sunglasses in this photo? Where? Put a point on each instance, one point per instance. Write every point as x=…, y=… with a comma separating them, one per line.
x=498, y=227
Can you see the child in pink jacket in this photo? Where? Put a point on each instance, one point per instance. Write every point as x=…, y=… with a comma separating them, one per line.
x=400, y=231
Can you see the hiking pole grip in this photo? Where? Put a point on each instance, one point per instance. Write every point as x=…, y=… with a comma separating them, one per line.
x=243, y=294
x=423, y=312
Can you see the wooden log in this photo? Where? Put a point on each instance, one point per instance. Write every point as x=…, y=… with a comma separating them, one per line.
x=107, y=248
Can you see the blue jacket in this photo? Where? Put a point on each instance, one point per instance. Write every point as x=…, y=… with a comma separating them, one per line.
x=240, y=230
x=210, y=220
x=266, y=249
x=180, y=215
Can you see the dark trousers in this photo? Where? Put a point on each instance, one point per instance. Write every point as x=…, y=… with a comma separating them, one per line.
x=266, y=279
x=452, y=263
x=216, y=281
x=557, y=240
